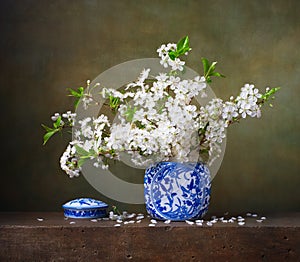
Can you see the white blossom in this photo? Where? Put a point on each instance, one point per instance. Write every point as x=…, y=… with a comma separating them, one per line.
x=55, y=117
x=157, y=120
x=87, y=100
x=176, y=64
x=68, y=161
x=230, y=111
x=247, y=101
x=166, y=61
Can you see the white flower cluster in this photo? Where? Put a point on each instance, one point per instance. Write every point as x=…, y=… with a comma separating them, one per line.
x=89, y=141
x=217, y=115
x=166, y=61
x=158, y=121
x=69, y=118
x=69, y=161
x=247, y=101
x=162, y=125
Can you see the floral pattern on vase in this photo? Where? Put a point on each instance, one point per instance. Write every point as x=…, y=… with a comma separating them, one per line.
x=177, y=191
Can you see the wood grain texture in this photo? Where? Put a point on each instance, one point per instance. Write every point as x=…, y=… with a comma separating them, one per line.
x=24, y=238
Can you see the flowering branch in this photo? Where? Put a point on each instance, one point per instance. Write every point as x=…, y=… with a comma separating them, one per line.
x=158, y=120
x=58, y=124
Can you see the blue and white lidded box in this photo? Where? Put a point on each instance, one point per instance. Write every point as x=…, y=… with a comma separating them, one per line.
x=85, y=208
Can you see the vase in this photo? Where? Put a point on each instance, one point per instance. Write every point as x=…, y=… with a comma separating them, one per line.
x=177, y=191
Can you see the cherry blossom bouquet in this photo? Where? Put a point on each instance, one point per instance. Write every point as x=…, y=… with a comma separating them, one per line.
x=157, y=117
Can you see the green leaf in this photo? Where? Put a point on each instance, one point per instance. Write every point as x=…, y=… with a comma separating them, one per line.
x=183, y=45
x=81, y=161
x=77, y=94
x=47, y=128
x=57, y=123
x=115, y=210
x=49, y=134
x=72, y=92
x=76, y=103
x=130, y=113
x=80, y=151
x=209, y=70
x=270, y=93
x=212, y=67
x=80, y=90
x=114, y=102
x=173, y=55
x=217, y=74
x=205, y=64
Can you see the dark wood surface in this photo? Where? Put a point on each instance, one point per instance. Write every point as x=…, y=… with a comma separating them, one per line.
x=50, y=237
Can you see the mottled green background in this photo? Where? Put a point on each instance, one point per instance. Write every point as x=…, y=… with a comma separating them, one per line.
x=48, y=46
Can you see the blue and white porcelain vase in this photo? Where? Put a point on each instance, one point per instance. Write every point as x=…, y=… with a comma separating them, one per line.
x=177, y=191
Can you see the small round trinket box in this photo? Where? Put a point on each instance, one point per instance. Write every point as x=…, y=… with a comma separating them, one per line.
x=85, y=208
